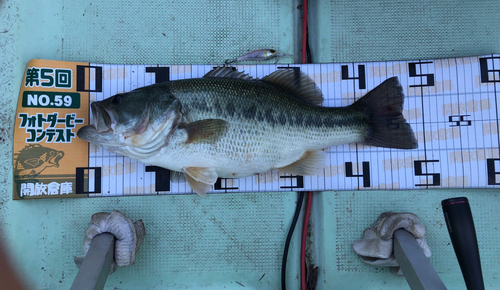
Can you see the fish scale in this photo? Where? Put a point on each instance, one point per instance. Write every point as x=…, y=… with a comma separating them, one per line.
x=280, y=141
x=230, y=125
x=252, y=106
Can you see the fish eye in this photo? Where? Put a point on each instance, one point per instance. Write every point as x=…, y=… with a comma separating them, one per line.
x=117, y=99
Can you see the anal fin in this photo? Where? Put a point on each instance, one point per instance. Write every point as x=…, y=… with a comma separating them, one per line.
x=200, y=179
x=311, y=163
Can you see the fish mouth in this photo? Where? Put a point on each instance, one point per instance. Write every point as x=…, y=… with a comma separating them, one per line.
x=100, y=131
x=55, y=157
x=103, y=119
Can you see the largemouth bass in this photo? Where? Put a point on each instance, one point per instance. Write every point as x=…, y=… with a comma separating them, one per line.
x=230, y=125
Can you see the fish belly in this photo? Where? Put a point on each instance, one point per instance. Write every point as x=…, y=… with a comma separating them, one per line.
x=248, y=149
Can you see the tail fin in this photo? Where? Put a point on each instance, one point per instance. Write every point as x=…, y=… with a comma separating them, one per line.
x=383, y=106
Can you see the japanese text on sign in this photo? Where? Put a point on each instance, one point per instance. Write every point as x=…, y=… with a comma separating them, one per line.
x=48, y=77
x=53, y=188
x=35, y=126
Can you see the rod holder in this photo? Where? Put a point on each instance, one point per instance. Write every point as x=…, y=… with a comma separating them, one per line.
x=458, y=216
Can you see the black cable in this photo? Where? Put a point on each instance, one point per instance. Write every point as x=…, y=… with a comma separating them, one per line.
x=289, y=238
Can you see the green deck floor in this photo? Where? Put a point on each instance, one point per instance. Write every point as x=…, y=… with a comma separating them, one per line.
x=228, y=240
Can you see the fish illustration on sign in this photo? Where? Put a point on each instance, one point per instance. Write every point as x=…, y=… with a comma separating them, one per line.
x=230, y=125
x=33, y=159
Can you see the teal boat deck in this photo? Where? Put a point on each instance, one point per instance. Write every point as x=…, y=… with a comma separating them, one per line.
x=234, y=241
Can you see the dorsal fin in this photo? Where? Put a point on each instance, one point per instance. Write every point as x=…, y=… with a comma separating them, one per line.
x=227, y=72
x=297, y=82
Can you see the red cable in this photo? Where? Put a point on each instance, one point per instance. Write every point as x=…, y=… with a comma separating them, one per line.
x=304, y=239
x=304, y=31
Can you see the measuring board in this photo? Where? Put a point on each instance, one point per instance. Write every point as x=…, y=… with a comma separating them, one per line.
x=451, y=104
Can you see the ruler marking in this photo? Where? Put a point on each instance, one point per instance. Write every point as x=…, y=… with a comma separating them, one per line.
x=423, y=119
x=390, y=151
x=496, y=97
x=354, y=96
x=461, y=139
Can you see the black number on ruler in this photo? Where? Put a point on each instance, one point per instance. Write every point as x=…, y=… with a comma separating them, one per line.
x=459, y=120
x=492, y=174
x=218, y=184
x=361, y=75
x=83, y=77
x=162, y=74
x=82, y=183
x=365, y=175
x=436, y=177
x=162, y=178
x=299, y=179
x=412, y=68
x=486, y=71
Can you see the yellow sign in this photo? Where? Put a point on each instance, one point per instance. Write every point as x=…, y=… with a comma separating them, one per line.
x=53, y=104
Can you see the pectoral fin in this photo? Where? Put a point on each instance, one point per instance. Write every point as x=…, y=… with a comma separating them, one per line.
x=200, y=179
x=311, y=163
x=204, y=130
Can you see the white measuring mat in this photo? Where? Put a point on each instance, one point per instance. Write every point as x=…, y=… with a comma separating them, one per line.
x=451, y=104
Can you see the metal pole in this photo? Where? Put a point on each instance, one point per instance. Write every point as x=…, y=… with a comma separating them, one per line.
x=417, y=269
x=97, y=263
